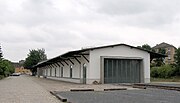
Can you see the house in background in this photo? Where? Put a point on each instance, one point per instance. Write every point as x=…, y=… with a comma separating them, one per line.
x=119, y=63
x=170, y=52
x=20, y=69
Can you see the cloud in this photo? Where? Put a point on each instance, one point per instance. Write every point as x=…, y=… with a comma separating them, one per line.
x=62, y=25
x=138, y=12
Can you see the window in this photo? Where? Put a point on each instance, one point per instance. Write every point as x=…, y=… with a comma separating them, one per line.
x=71, y=71
x=61, y=71
x=169, y=49
x=169, y=57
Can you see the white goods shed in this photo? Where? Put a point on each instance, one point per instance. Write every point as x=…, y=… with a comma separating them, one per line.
x=119, y=63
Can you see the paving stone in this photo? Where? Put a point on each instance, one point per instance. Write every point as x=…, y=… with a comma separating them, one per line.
x=23, y=89
x=54, y=85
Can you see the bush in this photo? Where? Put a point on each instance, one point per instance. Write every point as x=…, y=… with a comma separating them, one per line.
x=6, y=68
x=1, y=77
x=154, y=72
x=165, y=71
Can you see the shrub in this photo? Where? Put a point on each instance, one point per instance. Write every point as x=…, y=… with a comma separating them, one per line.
x=165, y=71
x=1, y=77
x=6, y=68
x=154, y=72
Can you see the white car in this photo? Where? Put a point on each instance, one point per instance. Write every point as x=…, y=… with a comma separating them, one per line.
x=15, y=74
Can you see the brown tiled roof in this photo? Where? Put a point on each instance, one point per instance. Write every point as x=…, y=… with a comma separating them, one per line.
x=16, y=65
x=163, y=45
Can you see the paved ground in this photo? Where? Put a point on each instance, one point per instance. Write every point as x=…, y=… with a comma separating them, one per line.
x=26, y=89
x=54, y=85
x=126, y=96
x=174, y=84
x=130, y=96
x=23, y=89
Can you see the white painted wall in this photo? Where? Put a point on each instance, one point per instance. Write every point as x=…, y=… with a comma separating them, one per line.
x=124, y=51
x=48, y=71
x=77, y=73
x=57, y=72
x=44, y=72
x=53, y=72
x=93, y=67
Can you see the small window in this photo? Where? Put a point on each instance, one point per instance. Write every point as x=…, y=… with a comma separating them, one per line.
x=71, y=71
x=169, y=49
x=169, y=57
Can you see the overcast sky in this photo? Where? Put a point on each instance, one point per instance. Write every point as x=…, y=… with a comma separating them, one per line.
x=62, y=25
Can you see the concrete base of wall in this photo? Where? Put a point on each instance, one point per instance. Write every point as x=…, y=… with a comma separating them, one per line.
x=92, y=81
x=88, y=81
x=65, y=79
x=147, y=80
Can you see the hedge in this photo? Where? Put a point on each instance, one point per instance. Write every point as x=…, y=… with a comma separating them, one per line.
x=165, y=71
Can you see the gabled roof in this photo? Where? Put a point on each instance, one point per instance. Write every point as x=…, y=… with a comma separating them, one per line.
x=77, y=52
x=16, y=65
x=163, y=45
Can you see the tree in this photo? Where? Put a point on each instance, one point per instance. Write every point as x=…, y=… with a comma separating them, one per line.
x=157, y=61
x=160, y=61
x=34, y=57
x=146, y=47
x=6, y=67
x=177, y=61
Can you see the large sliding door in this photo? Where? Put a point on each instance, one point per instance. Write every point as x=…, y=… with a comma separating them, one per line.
x=122, y=70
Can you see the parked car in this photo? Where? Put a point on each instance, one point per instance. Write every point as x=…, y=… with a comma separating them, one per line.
x=15, y=74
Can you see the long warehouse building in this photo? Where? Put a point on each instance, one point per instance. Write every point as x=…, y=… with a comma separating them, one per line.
x=119, y=63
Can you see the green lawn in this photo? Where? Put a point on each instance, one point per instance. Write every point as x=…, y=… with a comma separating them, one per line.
x=172, y=79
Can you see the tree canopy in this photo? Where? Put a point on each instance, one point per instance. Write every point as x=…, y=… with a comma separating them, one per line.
x=160, y=61
x=6, y=67
x=146, y=47
x=34, y=57
x=157, y=61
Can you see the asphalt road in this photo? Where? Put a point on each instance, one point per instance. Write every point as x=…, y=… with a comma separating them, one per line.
x=126, y=96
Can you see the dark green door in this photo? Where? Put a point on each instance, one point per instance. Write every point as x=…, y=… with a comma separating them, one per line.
x=121, y=70
x=84, y=73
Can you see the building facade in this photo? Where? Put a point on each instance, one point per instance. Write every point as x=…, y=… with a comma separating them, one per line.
x=20, y=69
x=118, y=63
x=169, y=51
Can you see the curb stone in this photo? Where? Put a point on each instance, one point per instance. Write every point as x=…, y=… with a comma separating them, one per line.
x=76, y=90
x=62, y=99
x=113, y=89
